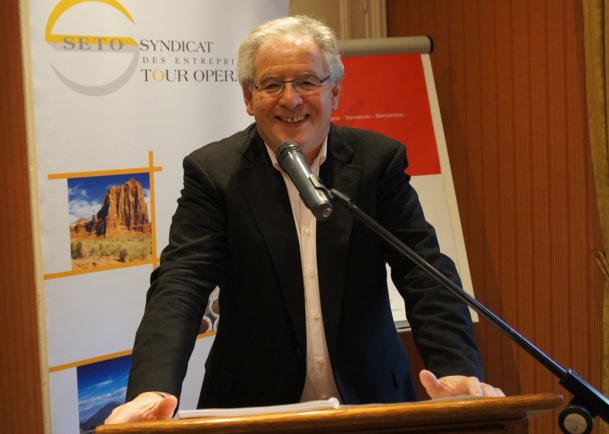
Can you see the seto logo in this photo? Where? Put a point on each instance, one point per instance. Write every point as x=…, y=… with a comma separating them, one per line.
x=90, y=73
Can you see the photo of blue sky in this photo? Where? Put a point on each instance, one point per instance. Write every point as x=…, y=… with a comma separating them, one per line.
x=85, y=195
x=101, y=385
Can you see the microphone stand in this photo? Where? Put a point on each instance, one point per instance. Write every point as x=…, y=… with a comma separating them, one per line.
x=578, y=416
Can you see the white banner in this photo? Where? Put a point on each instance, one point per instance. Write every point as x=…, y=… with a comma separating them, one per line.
x=400, y=101
x=123, y=90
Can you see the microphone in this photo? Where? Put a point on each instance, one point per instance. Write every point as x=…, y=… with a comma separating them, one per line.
x=315, y=196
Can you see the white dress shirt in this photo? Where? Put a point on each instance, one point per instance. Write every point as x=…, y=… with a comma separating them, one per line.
x=319, y=383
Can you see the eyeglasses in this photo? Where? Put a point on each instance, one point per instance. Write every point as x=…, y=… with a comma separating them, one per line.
x=303, y=85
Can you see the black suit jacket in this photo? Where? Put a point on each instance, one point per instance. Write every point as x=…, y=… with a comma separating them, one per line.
x=234, y=227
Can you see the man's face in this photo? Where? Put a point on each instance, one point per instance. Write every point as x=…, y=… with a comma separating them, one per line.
x=304, y=119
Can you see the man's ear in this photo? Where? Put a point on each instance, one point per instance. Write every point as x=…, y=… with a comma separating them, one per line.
x=336, y=95
x=248, y=97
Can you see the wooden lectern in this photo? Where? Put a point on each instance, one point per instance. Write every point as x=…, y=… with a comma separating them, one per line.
x=454, y=416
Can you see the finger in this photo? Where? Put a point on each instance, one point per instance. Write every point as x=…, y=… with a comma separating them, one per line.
x=120, y=414
x=499, y=393
x=167, y=408
x=428, y=379
x=491, y=391
x=430, y=382
x=488, y=390
x=474, y=387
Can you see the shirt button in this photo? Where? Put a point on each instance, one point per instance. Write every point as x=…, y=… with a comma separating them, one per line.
x=311, y=273
x=316, y=316
x=320, y=360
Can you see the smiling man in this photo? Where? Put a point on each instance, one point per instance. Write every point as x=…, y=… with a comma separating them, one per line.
x=298, y=109
x=304, y=303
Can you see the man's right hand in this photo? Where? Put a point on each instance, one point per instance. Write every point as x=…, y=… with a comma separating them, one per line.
x=145, y=406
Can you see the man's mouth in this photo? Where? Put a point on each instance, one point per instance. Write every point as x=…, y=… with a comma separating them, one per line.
x=293, y=120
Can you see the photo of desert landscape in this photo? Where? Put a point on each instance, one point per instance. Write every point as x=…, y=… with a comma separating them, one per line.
x=109, y=220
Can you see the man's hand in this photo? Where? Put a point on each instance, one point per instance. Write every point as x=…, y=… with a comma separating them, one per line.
x=145, y=406
x=456, y=385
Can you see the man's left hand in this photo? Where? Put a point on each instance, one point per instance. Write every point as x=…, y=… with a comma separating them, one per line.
x=456, y=385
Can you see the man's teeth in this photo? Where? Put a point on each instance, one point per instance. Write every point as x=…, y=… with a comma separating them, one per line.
x=293, y=120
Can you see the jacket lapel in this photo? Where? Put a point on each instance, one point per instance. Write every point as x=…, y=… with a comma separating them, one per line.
x=274, y=218
x=270, y=206
x=333, y=235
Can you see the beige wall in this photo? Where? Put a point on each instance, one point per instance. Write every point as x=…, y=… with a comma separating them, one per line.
x=350, y=19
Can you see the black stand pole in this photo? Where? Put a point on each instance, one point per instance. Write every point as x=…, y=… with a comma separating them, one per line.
x=578, y=416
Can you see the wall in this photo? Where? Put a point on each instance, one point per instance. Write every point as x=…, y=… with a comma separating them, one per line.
x=350, y=19
x=511, y=88
x=20, y=380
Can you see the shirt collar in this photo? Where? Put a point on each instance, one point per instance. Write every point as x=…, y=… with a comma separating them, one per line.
x=319, y=160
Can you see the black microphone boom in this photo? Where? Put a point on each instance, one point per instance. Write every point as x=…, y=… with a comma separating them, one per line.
x=587, y=403
x=315, y=196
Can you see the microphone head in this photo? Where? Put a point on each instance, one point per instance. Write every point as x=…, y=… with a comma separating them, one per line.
x=285, y=147
x=315, y=196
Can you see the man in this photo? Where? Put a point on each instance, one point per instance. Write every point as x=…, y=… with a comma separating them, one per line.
x=304, y=303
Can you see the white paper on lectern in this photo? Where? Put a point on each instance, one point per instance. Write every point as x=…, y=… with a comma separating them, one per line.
x=244, y=411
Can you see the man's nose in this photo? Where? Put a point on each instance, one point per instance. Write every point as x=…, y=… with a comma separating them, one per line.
x=290, y=96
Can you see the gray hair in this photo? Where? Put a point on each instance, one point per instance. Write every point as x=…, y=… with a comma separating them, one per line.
x=296, y=26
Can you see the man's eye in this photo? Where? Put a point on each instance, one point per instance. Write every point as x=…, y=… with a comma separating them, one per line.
x=271, y=86
x=307, y=84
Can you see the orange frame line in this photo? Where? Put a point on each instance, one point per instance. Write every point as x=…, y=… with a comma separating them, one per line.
x=98, y=359
x=150, y=169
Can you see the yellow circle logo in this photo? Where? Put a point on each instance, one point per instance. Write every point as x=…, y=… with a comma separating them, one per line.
x=89, y=73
